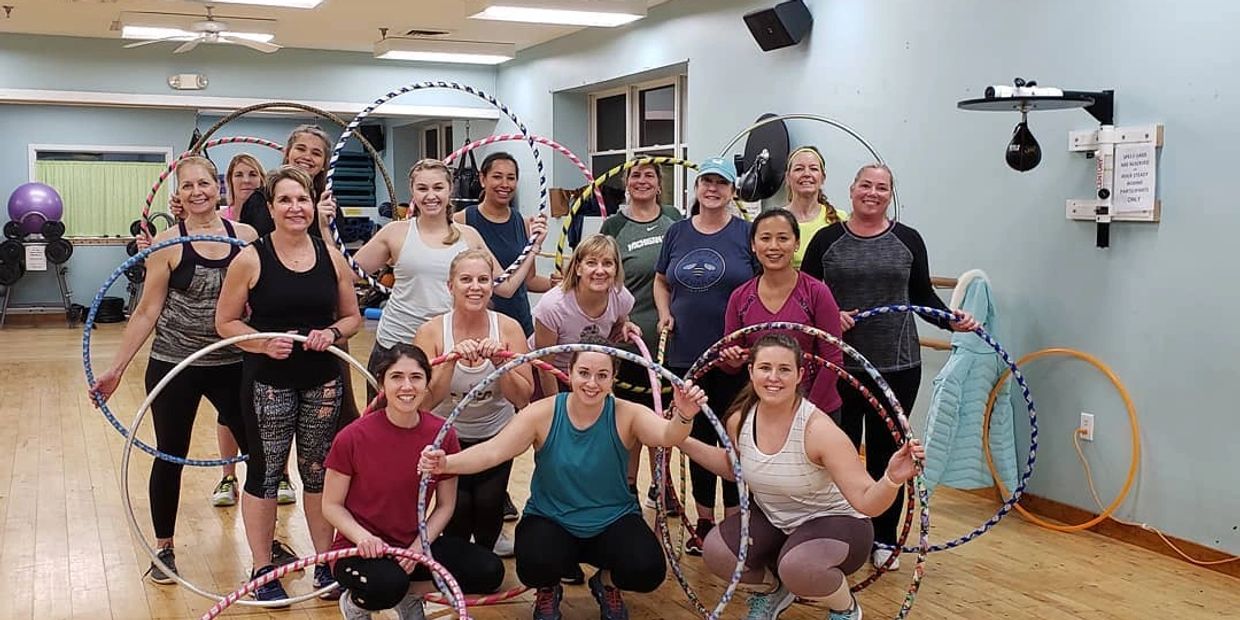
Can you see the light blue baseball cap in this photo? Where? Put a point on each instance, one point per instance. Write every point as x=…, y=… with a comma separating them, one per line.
x=720, y=166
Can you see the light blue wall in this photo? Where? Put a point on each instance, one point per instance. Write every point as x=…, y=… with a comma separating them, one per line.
x=1151, y=306
x=64, y=63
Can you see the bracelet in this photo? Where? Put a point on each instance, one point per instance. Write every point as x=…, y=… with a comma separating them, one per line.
x=683, y=419
x=336, y=331
x=886, y=479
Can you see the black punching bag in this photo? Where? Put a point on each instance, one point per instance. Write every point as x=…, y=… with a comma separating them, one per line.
x=1023, y=152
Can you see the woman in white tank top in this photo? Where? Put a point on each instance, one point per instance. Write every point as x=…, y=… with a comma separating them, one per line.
x=420, y=250
x=477, y=335
x=812, y=494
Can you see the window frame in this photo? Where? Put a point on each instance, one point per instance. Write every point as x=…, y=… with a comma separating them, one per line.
x=632, y=93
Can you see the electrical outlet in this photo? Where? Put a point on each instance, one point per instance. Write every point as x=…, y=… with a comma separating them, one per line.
x=1087, y=426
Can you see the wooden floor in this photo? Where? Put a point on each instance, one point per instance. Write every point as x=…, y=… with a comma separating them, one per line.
x=67, y=552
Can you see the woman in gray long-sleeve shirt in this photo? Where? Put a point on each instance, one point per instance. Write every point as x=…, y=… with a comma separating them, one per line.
x=872, y=261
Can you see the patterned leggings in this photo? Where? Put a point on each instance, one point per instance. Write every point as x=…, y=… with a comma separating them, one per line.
x=278, y=416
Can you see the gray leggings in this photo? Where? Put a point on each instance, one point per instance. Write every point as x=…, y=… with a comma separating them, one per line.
x=278, y=416
x=812, y=561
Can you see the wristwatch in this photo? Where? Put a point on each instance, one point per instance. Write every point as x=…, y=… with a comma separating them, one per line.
x=336, y=332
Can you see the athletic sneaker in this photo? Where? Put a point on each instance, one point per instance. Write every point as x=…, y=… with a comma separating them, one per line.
x=879, y=557
x=853, y=613
x=510, y=511
x=157, y=574
x=693, y=546
x=225, y=493
x=282, y=554
x=351, y=611
x=669, y=500
x=411, y=608
x=610, y=605
x=547, y=603
x=323, y=578
x=503, y=545
x=286, y=494
x=768, y=605
x=272, y=591
x=574, y=576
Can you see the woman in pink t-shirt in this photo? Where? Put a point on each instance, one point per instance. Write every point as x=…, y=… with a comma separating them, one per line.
x=370, y=497
x=591, y=301
x=781, y=293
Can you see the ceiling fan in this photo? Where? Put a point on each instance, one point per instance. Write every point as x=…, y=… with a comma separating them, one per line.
x=209, y=30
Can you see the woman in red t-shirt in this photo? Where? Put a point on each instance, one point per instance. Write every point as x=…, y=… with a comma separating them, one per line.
x=370, y=495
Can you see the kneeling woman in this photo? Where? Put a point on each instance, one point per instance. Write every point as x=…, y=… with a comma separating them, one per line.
x=370, y=496
x=808, y=527
x=580, y=507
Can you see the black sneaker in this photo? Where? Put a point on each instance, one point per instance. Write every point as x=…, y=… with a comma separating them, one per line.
x=671, y=502
x=510, y=511
x=282, y=554
x=574, y=576
x=272, y=591
x=693, y=546
x=157, y=574
x=323, y=578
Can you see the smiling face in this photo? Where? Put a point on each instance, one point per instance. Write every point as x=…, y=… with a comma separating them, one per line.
x=308, y=152
x=596, y=271
x=430, y=191
x=805, y=174
x=197, y=188
x=404, y=385
x=500, y=181
x=871, y=192
x=774, y=243
x=292, y=209
x=642, y=183
x=713, y=191
x=470, y=284
x=592, y=375
x=775, y=373
x=244, y=180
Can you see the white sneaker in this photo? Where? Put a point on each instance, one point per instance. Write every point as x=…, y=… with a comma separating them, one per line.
x=503, y=546
x=880, y=556
x=350, y=611
x=286, y=493
x=411, y=608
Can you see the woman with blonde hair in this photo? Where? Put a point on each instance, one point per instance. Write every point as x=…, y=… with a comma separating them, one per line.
x=803, y=179
x=591, y=301
x=420, y=251
x=245, y=175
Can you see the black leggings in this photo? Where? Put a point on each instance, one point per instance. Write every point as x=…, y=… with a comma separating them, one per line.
x=275, y=418
x=380, y=583
x=479, y=512
x=546, y=551
x=721, y=388
x=858, y=418
x=173, y=413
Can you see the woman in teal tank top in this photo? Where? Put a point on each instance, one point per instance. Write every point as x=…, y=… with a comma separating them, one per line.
x=580, y=508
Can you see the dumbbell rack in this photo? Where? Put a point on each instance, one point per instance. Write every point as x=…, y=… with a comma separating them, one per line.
x=65, y=305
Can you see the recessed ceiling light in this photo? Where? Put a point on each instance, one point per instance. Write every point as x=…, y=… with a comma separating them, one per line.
x=288, y=4
x=605, y=13
x=434, y=50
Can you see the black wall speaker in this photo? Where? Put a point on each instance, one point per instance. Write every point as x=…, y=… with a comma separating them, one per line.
x=373, y=134
x=782, y=26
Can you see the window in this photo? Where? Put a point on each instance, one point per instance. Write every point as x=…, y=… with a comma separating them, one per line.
x=103, y=188
x=635, y=120
x=437, y=140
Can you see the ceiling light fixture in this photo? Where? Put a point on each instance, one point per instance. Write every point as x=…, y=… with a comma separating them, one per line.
x=605, y=13
x=288, y=4
x=431, y=50
x=152, y=32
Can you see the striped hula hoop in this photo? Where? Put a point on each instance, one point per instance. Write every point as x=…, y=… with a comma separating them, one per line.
x=555, y=146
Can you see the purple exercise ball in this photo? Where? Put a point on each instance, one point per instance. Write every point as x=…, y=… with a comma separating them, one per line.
x=32, y=204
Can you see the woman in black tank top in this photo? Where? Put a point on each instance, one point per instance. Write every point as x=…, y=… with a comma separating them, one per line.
x=292, y=282
x=178, y=305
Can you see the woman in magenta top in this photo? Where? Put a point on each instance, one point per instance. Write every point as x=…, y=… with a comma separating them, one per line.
x=781, y=293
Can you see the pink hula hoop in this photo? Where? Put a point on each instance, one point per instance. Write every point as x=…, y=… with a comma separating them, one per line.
x=332, y=556
x=150, y=198
x=505, y=137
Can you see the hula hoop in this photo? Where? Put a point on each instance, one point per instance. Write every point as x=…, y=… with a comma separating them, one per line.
x=1133, y=423
x=594, y=186
x=351, y=129
x=478, y=601
x=88, y=327
x=895, y=198
x=332, y=556
x=636, y=359
x=130, y=441
x=572, y=157
x=898, y=424
x=641, y=389
x=1011, y=501
x=150, y=197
